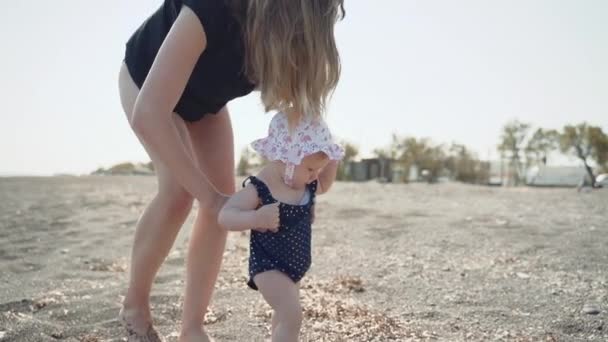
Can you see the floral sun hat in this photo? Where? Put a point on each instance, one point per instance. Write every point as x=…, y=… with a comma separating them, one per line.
x=310, y=136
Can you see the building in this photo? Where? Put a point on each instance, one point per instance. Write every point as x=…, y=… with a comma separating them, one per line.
x=383, y=169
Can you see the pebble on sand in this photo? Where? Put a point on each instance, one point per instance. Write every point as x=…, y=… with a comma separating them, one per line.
x=591, y=309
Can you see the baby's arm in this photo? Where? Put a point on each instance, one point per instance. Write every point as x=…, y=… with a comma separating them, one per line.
x=327, y=177
x=240, y=212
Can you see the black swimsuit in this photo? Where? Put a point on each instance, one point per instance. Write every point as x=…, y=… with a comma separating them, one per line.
x=218, y=76
x=289, y=249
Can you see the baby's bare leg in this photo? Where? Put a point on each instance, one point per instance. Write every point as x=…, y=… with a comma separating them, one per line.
x=282, y=294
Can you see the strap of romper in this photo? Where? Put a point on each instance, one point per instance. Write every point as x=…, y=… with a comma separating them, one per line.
x=312, y=187
x=262, y=189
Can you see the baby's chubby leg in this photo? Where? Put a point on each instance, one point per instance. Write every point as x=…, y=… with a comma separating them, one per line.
x=283, y=295
x=275, y=318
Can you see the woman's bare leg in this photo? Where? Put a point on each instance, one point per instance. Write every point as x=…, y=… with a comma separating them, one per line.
x=157, y=227
x=212, y=142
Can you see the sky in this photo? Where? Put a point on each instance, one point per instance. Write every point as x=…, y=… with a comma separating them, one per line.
x=452, y=71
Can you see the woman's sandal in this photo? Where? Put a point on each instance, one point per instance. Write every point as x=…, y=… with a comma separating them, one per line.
x=151, y=335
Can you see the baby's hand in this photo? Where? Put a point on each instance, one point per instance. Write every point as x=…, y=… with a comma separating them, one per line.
x=267, y=218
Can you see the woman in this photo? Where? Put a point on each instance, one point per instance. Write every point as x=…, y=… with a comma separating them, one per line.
x=182, y=66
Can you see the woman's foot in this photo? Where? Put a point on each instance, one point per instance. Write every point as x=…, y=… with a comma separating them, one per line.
x=137, y=330
x=194, y=335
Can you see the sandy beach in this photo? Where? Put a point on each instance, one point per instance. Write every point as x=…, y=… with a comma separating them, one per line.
x=391, y=262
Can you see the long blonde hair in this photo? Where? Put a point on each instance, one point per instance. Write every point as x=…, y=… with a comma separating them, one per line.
x=291, y=52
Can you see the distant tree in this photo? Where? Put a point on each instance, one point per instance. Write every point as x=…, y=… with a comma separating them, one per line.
x=122, y=168
x=482, y=172
x=541, y=143
x=464, y=166
x=390, y=152
x=382, y=153
x=246, y=161
x=422, y=153
x=588, y=143
x=350, y=152
x=433, y=162
x=511, y=145
x=100, y=171
x=413, y=150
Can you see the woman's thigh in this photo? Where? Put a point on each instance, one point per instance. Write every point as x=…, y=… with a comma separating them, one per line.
x=166, y=182
x=213, y=148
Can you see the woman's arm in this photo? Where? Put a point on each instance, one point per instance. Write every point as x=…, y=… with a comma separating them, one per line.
x=327, y=177
x=158, y=96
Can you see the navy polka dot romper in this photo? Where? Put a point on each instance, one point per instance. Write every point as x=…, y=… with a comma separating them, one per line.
x=289, y=249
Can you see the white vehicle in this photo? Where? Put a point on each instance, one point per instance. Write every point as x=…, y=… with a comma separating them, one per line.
x=602, y=180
